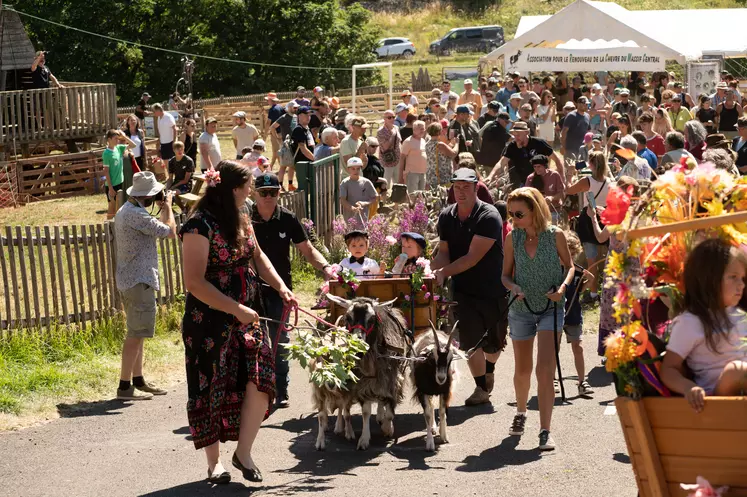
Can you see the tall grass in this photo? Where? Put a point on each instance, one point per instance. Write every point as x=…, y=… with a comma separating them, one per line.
x=425, y=23
x=38, y=369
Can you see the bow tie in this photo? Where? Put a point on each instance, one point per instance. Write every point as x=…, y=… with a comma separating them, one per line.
x=354, y=259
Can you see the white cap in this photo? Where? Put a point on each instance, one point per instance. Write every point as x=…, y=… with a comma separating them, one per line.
x=355, y=162
x=467, y=81
x=259, y=143
x=240, y=113
x=400, y=107
x=596, y=86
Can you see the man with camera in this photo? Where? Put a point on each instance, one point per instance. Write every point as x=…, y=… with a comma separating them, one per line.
x=135, y=231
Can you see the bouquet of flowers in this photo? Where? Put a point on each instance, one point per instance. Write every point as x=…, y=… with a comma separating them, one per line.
x=646, y=261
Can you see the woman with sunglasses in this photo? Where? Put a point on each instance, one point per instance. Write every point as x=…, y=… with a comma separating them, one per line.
x=537, y=269
x=229, y=361
x=188, y=139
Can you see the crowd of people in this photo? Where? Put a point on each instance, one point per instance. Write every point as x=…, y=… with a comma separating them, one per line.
x=541, y=142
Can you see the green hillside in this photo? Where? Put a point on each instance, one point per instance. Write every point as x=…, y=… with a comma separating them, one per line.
x=425, y=25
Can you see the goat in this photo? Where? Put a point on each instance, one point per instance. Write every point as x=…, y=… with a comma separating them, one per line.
x=380, y=378
x=434, y=375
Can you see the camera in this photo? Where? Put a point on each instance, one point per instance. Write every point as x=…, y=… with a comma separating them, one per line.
x=160, y=197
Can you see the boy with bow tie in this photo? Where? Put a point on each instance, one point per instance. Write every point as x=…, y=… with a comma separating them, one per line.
x=357, y=242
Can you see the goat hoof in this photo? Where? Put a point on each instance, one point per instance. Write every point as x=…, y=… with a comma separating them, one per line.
x=363, y=444
x=320, y=444
x=430, y=445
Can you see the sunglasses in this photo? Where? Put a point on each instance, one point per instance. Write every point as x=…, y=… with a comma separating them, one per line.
x=517, y=214
x=272, y=193
x=388, y=117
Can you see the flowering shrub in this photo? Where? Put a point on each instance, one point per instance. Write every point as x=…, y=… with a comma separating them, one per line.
x=648, y=268
x=415, y=219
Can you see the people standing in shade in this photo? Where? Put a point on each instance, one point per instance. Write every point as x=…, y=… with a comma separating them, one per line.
x=133, y=131
x=243, y=134
x=166, y=132
x=137, y=276
x=575, y=126
x=210, y=154
x=188, y=139
x=229, y=357
x=356, y=192
x=537, y=269
x=470, y=251
x=302, y=145
x=113, y=161
x=518, y=155
x=413, y=161
x=277, y=229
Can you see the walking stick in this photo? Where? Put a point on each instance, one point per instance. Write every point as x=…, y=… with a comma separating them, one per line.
x=556, y=339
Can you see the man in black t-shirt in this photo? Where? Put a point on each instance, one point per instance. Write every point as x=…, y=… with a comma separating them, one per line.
x=470, y=251
x=142, y=106
x=275, y=229
x=40, y=73
x=518, y=156
x=301, y=145
x=181, y=168
x=494, y=139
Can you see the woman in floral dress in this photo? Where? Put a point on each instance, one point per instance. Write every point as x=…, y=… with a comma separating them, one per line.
x=440, y=157
x=229, y=360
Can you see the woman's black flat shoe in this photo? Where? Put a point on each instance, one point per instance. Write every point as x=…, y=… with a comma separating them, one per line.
x=219, y=479
x=251, y=474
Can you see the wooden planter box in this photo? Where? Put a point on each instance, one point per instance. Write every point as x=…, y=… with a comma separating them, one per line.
x=385, y=289
x=669, y=443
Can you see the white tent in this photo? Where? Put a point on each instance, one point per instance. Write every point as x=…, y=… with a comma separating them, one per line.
x=715, y=31
x=590, y=36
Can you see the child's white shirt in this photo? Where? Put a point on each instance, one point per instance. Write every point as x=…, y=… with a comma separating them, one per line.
x=369, y=267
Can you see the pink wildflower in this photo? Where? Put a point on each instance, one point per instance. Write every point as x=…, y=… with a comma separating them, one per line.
x=391, y=240
x=407, y=298
x=427, y=295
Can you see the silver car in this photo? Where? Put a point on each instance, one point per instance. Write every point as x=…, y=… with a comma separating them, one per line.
x=395, y=47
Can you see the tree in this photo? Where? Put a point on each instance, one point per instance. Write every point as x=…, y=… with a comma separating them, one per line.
x=315, y=33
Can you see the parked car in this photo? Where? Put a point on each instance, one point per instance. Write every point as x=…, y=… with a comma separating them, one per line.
x=395, y=47
x=473, y=39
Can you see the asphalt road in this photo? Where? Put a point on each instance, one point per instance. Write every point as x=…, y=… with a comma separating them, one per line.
x=114, y=449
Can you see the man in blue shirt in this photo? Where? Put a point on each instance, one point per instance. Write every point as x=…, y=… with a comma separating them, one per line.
x=644, y=152
x=504, y=94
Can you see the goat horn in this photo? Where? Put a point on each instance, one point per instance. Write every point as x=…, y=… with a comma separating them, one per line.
x=435, y=335
x=451, y=335
x=344, y=303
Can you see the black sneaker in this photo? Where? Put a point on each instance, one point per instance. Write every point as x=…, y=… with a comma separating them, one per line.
x=517, y=427
x=282, y=402
x=546, y=441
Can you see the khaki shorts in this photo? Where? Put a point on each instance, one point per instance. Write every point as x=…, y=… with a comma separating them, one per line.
x=140, y=309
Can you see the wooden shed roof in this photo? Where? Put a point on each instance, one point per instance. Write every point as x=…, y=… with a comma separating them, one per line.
x=16, y=50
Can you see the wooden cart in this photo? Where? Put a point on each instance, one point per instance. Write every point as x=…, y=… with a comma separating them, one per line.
x=668, y=442
x=385, y=289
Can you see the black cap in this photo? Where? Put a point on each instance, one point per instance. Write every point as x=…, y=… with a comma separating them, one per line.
x=356, y=234
x=417, y=237
x=267, y=180
x=495, y=105
x=464, y=174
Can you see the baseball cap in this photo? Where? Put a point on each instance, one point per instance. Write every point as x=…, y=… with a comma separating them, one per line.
x=676, y=98
x=464, y=174
x=569, y=105
x=294, y=104
x=303, y=110
x=467, y=81
x=300, y=88
x=463, y=109
x=618, y=91
x=583, y=100
x=146, y=94
x=267, y=180
x=258, y=143
x=318, y=89
x=359, y=121
x=596, y=86
x=400, y=107
x=210, y=120
x=354, y=162
x=239, y=114
x=515, y=95
x=597, y=137
x=624, y=91
x=494, y=104
x=416, y=237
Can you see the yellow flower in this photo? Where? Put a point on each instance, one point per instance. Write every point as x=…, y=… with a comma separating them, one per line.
x=620, y=349
x=635, y=249
x=629, y=389
x=615, y=265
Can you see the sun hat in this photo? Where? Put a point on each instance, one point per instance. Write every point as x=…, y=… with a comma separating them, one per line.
x=569, y=105
x=239, y=114
x=406, y=93
x=519, y=126
x=334, y=102
x=722, y=86
x=354, y=162
x=467, y=81
x=144, y=184
x=272, y=97
x=514, y=96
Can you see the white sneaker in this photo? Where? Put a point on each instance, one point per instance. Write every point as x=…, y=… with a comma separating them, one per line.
x=546, y=441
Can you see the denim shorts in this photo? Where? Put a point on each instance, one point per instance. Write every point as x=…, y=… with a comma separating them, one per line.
x=525, y=325
x=573, y=332
x=591, y=250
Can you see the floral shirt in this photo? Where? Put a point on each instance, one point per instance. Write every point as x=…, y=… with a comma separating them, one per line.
x=384, y=135
x=137, y=256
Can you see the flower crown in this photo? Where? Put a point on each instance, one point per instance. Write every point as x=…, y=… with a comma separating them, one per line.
x=212, y=177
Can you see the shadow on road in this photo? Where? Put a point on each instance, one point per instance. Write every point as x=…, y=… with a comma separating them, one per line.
x=184, y=430
x=599, y=377
x=533, y=403
x=341, y=456
x=98, y=408
x=199, y=488
x=620, y=457
x=500, y=456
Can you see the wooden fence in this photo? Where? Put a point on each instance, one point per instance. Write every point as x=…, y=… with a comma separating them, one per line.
x=65, y=275
x=79, y=110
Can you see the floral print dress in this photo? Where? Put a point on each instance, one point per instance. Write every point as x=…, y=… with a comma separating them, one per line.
x=223, y=355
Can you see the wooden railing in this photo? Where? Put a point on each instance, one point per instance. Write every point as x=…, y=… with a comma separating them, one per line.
x=65, y=275
x=79, y=110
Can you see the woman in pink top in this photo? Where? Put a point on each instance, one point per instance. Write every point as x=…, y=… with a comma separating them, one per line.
x=413, y=161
